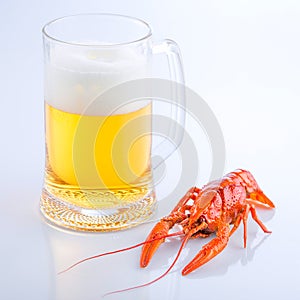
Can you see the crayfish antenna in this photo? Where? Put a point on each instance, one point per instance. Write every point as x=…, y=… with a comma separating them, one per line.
x=186, y=238
x=98, y=256
x=119, y=250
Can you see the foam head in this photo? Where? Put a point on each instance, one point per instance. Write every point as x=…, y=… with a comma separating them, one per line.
x=76, y=76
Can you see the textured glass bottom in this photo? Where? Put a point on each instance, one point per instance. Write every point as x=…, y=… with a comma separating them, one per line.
x=113, y=217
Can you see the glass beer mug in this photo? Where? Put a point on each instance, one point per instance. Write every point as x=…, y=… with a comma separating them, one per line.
x=98, y=171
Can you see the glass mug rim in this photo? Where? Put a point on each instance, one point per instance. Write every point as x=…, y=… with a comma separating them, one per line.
x=135, y=20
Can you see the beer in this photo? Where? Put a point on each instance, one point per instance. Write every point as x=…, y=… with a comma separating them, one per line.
x=98, y=139
x=98, y=154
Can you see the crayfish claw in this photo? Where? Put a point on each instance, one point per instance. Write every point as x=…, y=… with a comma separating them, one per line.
x=153, y=241
x=160, y=231
x=209, y=251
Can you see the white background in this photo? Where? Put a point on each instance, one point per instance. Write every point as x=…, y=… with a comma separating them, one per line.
x=242, y=57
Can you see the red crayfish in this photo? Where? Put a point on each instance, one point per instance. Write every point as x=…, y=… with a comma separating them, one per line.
x=212, y=209
x=201, y=212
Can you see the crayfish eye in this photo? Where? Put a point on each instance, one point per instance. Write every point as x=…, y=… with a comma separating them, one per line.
x=198, y=222
x=201, y=220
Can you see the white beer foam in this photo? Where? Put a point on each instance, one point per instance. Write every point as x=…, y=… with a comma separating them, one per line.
x=75, y=77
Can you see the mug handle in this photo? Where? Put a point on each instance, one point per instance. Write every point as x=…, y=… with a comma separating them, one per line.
x=176, y=130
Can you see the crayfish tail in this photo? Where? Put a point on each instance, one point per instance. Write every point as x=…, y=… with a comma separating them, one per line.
x=261, y=198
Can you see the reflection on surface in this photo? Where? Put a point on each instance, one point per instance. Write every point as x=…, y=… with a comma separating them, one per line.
x=91, y=279
x=94, y=278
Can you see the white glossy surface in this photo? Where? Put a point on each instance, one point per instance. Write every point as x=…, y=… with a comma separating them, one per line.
x=243, y=59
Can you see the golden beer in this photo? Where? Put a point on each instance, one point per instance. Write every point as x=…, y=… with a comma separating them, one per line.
x=89, y=157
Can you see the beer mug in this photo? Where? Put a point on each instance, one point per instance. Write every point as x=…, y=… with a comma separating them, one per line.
x=98, y=135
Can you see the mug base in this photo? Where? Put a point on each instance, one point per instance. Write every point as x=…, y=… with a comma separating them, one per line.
x=66, y=215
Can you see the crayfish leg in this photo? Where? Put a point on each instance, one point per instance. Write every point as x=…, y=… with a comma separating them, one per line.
x=250, y=208
x=236, y=224
x=245, y=219
x=257, y=220
x=191, y=194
